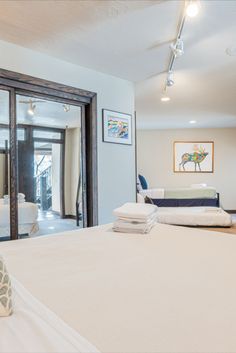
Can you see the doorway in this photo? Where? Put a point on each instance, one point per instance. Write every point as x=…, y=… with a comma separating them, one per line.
x=49, y=164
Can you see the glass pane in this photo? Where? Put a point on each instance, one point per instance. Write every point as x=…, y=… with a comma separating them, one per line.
x=4, y=137
x=21, y=134
x=47, y=134
x=4, y=167
x=51, y=201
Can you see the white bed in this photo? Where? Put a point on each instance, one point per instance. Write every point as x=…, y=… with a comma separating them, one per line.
x=27, y=215
x=173, y=290
x=194, y=216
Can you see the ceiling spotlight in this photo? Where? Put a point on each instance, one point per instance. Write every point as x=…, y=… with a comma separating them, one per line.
x=192, y=8
x=165, y=98
x=66, y=108
x=31, y=109
x=178, y=48
x=192, y=122
x=170, y=79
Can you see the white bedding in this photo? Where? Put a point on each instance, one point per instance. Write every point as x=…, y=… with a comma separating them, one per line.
x=194, y=216
x=27, y=215
x=153, y=193
x=172, y=290
x=34, y=328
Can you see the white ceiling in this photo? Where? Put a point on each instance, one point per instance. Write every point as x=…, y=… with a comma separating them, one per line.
x=47, y=113
x=130, y=39
x=116, y=37
x=205, y=77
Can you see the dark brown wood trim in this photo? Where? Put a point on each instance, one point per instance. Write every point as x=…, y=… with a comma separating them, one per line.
x=13, y=168
x=84, y=168
x=91, y=161
x=70, y=216
x=230, y=211
x=30, y=80
x=46, y=91
x=39, y=139
x=6, y=174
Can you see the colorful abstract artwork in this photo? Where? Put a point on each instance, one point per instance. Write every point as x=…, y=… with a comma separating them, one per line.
x=117, y=127
x=194, y=157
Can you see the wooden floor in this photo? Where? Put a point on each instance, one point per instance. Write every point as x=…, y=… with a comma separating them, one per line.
x=231, y=230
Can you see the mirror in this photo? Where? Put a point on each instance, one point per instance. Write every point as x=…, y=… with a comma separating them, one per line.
x=49, y=167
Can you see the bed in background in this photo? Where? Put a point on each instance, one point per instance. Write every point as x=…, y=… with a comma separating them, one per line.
x=194, y=196
x=172, y=290
x=27, y=214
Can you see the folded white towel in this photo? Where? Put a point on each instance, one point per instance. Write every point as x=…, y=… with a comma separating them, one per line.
x=153, y=217
x=126, y=227
x=135, y=225
x=137, y=211
x=133, y=228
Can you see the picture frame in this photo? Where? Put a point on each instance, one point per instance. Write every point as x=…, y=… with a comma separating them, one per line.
x=116, y=127
x=193, y=157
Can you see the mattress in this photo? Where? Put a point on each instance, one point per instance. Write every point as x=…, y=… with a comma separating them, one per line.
x=191, y=193
x=172, y=290
x=194, y=216
x=33, y=327
x=27, y=213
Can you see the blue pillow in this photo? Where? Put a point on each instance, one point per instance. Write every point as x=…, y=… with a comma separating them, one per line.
x=143, y=182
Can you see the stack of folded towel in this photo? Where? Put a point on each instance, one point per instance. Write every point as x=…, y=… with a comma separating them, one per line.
x=135, y=218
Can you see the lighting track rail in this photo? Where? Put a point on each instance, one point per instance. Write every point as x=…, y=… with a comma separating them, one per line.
x=190, y=9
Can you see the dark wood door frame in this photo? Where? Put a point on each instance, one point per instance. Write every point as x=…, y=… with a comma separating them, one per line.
x=17, y=83
x=30, y=140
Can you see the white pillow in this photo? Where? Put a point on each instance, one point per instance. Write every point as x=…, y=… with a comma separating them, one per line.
x=5, y=290
x=198, y=186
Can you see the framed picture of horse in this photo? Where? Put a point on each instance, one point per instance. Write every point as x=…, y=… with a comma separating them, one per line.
x=193, y=156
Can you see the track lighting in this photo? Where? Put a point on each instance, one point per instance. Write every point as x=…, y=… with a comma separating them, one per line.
x=170, y=79
x=165, y=98
x=192, y=8
x=178, y=48
x=31, y=109
x=66, y=108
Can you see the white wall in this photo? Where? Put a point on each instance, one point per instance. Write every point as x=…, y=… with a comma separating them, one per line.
x=155, y=160
x=72, y=169
x=116, y=163
x=56, y=172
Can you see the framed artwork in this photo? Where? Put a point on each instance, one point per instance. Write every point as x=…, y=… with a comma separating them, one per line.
x=117, y=127
x=193, y=156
